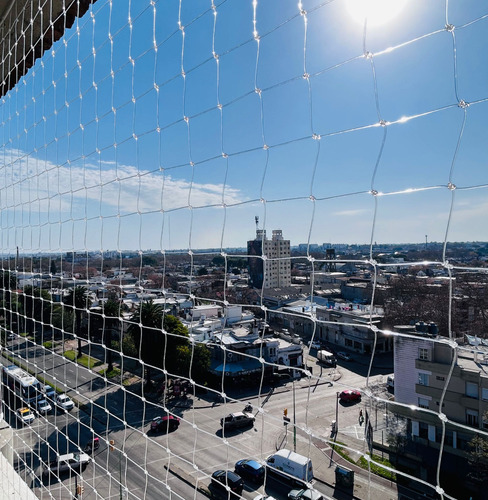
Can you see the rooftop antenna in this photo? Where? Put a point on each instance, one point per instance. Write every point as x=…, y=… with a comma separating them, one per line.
x=426, y=242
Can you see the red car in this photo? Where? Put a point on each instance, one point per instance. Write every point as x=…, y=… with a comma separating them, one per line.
x=165, y=424
x=350, y=396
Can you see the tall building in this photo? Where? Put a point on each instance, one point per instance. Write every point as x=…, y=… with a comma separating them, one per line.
x=273, y=271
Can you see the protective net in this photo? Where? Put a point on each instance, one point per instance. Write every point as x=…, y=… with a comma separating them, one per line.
x=243, y=231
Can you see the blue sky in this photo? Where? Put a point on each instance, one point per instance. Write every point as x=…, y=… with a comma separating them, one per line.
x=116, y=165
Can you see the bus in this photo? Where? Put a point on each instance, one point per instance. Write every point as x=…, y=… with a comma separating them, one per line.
x=21, y=383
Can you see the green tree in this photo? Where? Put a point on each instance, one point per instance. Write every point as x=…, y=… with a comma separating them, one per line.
x=478, y=456
x=146, y=330
x=79, y=300
x=36, y=304
x=8, y=285
x=194, y=367
x=111, y=309
x=157, y=337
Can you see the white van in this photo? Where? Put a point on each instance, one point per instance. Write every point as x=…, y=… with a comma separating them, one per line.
x=327, y=358
x=290, y=466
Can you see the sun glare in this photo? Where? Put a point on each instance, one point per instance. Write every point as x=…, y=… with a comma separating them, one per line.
x=378, y=12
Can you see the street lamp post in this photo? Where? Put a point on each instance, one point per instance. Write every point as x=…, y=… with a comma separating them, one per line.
x=112, y=448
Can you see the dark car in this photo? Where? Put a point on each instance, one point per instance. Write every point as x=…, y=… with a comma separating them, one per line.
x=250, y=469
x=349, y=396
x=223, y=478
x=165, y=424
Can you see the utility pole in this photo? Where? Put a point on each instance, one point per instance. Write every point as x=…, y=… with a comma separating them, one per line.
x=337, y=412
x=294, y=421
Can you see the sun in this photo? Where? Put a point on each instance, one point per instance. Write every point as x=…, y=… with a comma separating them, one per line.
x=378, y=12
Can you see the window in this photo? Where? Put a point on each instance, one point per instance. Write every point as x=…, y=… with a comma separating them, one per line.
x=472, y=390
x=423, y=379
x=423, y=403
x=472, y=418
x=438, y=377
x=423, y=354
x=484, y=394
x=423, y=430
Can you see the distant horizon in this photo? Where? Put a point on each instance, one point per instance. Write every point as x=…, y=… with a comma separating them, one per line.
x=231, y=249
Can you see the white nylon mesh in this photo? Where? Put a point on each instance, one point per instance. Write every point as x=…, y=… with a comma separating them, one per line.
x=143, y=143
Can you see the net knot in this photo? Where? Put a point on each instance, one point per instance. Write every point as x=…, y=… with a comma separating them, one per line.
x=449, y=28
x=463, y=104
x=451, y=186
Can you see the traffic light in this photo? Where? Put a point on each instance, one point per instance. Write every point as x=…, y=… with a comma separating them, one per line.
x=286, y=420
x=112, y=445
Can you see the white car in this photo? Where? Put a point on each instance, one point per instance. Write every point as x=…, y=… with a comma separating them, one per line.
x=64, y=402
x=264, y=497
x=305, y=494
x=25, y=415
x=71, y=461
x=43, y=407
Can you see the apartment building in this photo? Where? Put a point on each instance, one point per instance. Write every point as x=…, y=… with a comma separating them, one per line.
x=269, y=260
x=422, y=364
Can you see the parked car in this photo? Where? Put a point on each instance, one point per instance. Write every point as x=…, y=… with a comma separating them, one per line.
x=11, y=336
x=264, y=497
x=48, y=391
x=305, y=494
x=343, y=355
x=223, y=478
x=315, y=345
x=71, y=461
x=390, y=382
x=64, y=402
x=25, y=415
x=237, y=420
x=250, y=469
x=42, y=406
x=165, y=424
x=349, y=396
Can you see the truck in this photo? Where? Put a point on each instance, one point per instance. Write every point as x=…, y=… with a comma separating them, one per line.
x=290, y=466
x=327, y=358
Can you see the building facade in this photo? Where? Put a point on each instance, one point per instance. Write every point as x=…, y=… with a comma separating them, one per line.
x=424, y=363
x=269, y=260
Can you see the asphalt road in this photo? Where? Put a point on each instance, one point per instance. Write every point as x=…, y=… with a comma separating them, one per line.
x=146, y=465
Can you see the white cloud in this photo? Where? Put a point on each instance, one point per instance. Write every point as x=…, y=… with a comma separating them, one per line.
x=44, y=186
x=351, y=213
